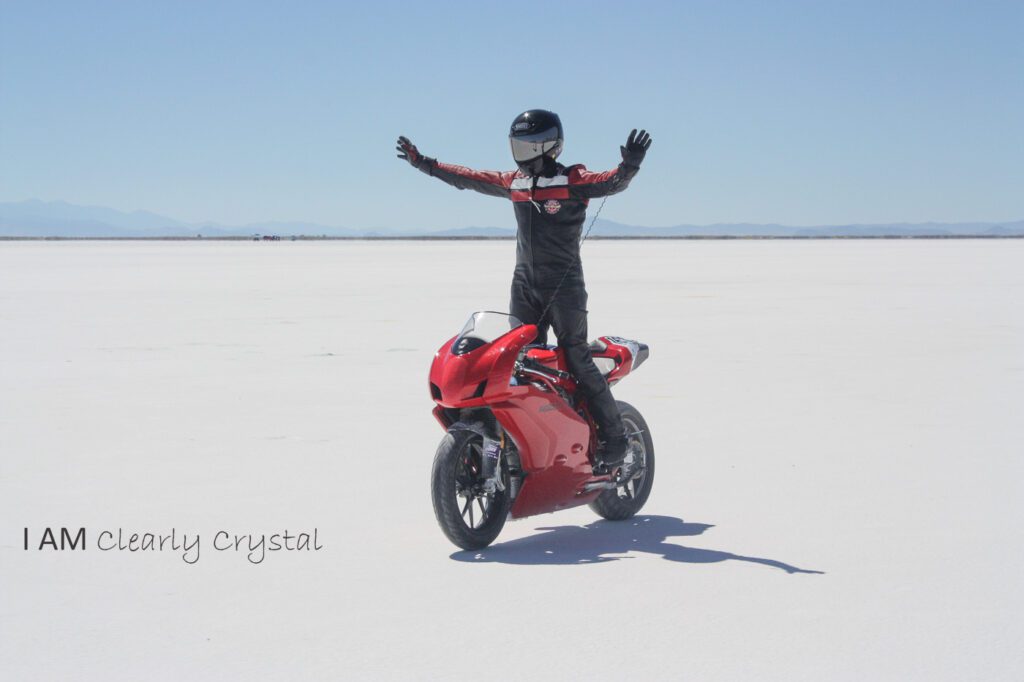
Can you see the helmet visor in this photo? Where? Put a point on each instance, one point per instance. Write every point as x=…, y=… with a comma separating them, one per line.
x=528, y=147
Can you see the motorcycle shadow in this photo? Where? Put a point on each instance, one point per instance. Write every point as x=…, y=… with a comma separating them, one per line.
x=593, y=543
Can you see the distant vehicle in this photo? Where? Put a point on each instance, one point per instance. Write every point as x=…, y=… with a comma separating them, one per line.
x=271, y=238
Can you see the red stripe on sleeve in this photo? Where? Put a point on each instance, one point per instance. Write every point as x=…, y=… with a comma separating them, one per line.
x=579, y=175
x=490, y=177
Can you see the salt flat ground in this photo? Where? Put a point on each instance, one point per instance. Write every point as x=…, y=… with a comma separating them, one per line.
x=838, y=426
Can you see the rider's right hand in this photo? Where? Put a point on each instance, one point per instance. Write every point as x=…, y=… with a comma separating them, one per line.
x=635, y=149
x=407, y=150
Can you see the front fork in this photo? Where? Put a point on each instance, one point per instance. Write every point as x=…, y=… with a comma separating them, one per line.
x=490, y=459
x=490, y=470
x=497, y=445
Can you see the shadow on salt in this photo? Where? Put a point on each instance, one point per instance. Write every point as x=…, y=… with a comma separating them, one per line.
x=603, y=541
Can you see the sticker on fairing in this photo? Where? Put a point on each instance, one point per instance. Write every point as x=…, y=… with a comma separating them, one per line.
x=633, y=346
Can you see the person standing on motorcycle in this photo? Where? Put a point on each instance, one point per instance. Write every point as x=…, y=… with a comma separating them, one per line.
x=550, y=202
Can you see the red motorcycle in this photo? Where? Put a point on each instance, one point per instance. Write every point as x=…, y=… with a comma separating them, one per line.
x=520, y=440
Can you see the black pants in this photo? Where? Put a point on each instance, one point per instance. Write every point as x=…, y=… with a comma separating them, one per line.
x=568, y=316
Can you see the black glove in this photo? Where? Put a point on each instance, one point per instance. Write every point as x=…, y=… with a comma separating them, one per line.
x=635, y=149
x=407, y=150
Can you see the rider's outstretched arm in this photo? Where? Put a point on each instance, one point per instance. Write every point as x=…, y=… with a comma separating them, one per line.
x=493, y=183
x=590, y=185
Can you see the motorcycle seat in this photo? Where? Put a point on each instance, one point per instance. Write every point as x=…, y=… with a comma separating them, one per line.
x=547, y=355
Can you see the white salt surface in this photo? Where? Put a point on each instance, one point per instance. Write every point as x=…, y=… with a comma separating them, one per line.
x=847, y=407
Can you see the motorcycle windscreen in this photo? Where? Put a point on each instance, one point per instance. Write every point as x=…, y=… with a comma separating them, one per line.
x=482, y=328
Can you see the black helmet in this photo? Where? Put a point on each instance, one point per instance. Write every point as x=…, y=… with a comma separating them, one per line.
x=536, y=135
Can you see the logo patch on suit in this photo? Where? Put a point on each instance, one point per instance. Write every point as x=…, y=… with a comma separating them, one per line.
x=552, y=206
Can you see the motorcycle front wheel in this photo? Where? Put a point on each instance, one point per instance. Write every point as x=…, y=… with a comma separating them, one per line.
x=468, y=515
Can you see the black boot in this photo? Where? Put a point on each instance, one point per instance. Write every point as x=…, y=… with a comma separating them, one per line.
x=610, y=453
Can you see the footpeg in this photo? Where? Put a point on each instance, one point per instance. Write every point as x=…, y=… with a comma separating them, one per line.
x=625, y=474
x=599, y=485
x=619, y=475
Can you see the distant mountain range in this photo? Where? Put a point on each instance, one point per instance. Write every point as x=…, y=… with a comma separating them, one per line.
x=35, y=218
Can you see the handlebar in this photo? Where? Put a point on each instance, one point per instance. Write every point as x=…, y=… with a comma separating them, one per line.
x=532, y=366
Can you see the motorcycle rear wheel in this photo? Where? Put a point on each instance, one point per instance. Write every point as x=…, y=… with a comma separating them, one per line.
x=470, y=518
x=618, y=504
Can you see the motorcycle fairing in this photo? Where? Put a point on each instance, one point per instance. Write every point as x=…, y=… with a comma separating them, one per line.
x=553, y=440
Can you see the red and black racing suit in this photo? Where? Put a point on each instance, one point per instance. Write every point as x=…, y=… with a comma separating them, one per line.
x=550, y=212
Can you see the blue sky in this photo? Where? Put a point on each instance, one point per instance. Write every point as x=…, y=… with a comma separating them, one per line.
x=789, y=112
